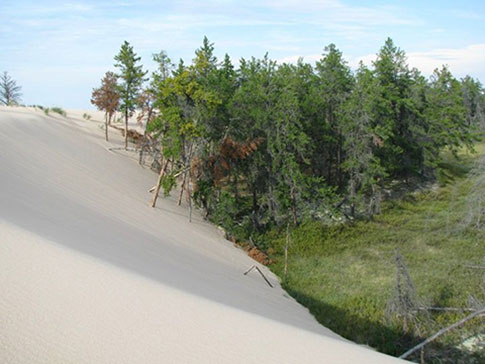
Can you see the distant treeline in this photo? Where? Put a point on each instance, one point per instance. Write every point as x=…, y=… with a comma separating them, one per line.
x=265, y=144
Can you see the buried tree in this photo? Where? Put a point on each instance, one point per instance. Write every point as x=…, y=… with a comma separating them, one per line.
x=131, y=79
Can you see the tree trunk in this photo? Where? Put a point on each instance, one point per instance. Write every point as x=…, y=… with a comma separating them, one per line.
x=480, y=312
x=126, y=130
x=339, y=161
x=145, y=141
x=293, y=207
x=106, y=126
x=287, y=245
x=352, y=194
x=183, y=187
x=236, y=191
x=140, y=156
x=189, y=195
x=255, y=197
x=159, y=183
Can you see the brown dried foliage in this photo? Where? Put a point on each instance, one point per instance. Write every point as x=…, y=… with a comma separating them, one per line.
x=106, y=97
x=145, y=101
x=230, y=151
x=221, y=163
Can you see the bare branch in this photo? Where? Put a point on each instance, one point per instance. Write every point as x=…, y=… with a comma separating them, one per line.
x=443, y=331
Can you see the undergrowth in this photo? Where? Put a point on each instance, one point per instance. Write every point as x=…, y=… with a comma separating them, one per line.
x=345, y=274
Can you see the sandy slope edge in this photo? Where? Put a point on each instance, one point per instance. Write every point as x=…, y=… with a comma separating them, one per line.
x=90, y=274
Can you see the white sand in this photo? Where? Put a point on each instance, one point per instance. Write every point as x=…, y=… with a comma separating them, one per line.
x=90, y=274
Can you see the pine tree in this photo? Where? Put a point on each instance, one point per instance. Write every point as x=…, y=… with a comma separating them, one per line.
x=335, y=82
x=474, y=101
x=9, y=90
x=252, y=110
x=286, y=146
x=446, y=117
x=132, y=77
x=394, y=111
x=365, y=173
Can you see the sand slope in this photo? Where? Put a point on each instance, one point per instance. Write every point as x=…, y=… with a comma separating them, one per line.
x=90, y=274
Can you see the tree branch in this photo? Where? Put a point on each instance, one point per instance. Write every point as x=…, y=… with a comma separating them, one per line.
x=443, y=331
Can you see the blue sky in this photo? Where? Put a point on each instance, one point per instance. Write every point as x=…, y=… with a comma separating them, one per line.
x=59, y=50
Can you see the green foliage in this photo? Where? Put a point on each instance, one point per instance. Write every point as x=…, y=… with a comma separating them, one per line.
x=9, y=90
x=168, y=183
x=268, y=146
x=55, y=109
x=131, y=76
x=345, y=274
x=296, y=142
x=474, y=102
x=446, y=115
x=362, y=144
x=58, y=110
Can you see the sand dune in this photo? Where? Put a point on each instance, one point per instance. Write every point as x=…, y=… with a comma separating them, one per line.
x=91, y=274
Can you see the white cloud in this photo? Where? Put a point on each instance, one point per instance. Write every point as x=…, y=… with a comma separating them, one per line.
x=311, y=58
x=464, y=61
x=299, y=5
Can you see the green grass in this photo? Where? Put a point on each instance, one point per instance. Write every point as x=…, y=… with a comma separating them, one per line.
x=345, y=274
x=58, y=110
x=55, y=109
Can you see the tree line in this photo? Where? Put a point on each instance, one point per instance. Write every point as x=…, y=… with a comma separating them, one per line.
x=266, y=145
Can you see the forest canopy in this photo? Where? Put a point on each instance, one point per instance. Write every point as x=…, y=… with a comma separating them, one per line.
x=265, y=145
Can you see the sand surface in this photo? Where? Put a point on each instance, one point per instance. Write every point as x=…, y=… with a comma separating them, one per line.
x=89, y=273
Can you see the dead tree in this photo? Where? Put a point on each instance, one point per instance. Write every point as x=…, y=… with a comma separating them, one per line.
x=404, y=304
x=161, y=175
x=475, y=216
x=107, y=98
x=443, y=331
x=146, y=101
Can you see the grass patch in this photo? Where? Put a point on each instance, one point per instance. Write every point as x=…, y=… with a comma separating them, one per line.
x=58, y=110
x=345, y=274
x=55, y=109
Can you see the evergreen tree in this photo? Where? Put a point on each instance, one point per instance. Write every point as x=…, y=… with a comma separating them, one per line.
x=132, y=77
x=183, y=102
x=267, y=145
x=148, y=103
x=395, y=108
x=474, y=101
x=446, y=117
x=287, y=149
x=334, y=85
x=252, y=109
x=365, y=172
x=9, y=90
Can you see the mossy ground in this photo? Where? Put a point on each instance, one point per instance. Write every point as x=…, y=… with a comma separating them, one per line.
x=346, y=274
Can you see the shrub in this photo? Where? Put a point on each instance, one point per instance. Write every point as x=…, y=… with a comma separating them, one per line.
x=58, y=110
